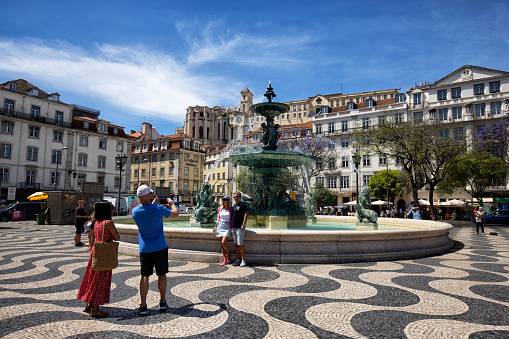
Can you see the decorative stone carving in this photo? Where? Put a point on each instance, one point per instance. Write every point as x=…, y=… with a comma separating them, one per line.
x=362, y=212
x=206, y=209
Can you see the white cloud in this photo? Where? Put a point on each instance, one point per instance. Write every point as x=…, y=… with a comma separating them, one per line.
x=136, y=80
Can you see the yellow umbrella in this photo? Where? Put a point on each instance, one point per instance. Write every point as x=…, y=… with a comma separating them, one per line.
x=38, y=196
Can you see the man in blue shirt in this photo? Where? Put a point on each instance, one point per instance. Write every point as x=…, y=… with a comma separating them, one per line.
x=153, y=249
x=239, y=220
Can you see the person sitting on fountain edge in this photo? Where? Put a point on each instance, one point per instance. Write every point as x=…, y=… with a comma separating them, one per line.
x=239, y=220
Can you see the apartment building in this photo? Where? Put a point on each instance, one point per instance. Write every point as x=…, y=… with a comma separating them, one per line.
x=40, y=140
x=169, y=164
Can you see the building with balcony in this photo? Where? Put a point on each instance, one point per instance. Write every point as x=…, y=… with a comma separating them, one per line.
x=40, y=143
x=169, y=164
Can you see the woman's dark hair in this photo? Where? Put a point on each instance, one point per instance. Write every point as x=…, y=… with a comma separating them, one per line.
x=102, y=211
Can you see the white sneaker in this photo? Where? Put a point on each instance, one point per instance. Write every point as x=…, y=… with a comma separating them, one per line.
x=236, y=263
x=243, y=263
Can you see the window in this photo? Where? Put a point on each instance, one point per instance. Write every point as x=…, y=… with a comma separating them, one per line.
x=381, y=120
x=195, y=172
x=115, y=131
x=9, y=105
x=331, y=163
x=33, y=132
x=81, y=179
x=320, y=179
x=418, y=117
x=103, y=128
x=496, y=107
x=32, y=153
x=58, y=136
x=444, y=133
x=101, y=161
x=163, y=156
x=417, y=98
x=84, y=140
x=144, y=160
x=154, y=158
x=5, y=151
x=86, y=125
x=59, y=117
x=156, y=145
x=82, y=159
x=186, y=171
x=366, y=160
x=120, y=146
x=36, y=111
x=4, y=175
x=344, y=126
x=331, y=128
x=136, y=173
x=365, y=180
x=456, y=92
x=350, y=105
x=7, y=127
x=479, y=129
x=102, y=143
x=398, y=118
x=318, y=129
x=154, y=172
x=195, y=158
x=100, y=179
x=382, y=160
x=54, y=178
x=442, y=114
x=370, y=103
x=442, y=94
x=345, y=162
x=12, y=87
x=480, y=110
x=145, y=147
x=304, y=107
x=163, y=144
x=479, y=89
x=56, y=157
x=332, y=144
x=170, y=171
x=332, y=182
x=399, y=98
x=161, y=172
x=458, y=133
x=117, y=183
x=143, y=172
x=456, y=112
x=494, y=86
x=30, y=178
x=136, y=160
x=365, y=123
x=344, y=182
x=344, y=142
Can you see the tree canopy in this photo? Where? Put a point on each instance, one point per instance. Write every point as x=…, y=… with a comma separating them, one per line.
x=475, y=172
x=378, y=185
x=323, y=196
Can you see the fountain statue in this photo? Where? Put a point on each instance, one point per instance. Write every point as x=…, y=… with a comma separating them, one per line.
x=205, y=212
x=367, y=218
x=270, y=204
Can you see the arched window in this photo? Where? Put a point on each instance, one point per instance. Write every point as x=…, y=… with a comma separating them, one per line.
x=200, y=133
x=207, y=132
x=201, y=114
x=194, y=132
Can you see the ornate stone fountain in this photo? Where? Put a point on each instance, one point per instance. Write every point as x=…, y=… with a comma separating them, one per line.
x=270, y=204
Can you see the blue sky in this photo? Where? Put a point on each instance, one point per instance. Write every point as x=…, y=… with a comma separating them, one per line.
x=147, y=61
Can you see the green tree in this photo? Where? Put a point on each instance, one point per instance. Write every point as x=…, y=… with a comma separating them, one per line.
x=378, y=185
x=475, y=172
x=323, y=196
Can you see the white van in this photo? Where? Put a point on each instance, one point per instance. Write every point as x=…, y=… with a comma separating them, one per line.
x=182, y=209
x=123, y=203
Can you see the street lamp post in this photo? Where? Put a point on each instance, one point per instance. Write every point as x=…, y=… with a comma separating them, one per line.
x=356, y=161
x=120, y=160
x=59, y=158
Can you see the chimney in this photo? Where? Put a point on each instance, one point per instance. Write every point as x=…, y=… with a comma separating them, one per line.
x=146, y=129
x=133, y=131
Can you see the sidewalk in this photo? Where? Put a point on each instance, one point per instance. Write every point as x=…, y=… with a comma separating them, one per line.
x=457, y=294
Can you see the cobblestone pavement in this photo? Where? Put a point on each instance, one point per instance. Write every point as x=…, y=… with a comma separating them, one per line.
x=463, y=293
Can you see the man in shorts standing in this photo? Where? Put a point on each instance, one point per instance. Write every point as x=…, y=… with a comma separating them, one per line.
x=153, y=249
x=80, y=217
x=239, y=220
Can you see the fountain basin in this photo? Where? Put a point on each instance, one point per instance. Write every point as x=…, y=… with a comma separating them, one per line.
x=420, y=238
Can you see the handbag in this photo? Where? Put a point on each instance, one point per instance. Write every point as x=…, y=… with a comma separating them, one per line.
x=105, y=255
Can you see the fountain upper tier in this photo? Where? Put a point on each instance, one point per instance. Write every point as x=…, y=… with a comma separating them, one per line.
x=270, y=109
x=270, y=159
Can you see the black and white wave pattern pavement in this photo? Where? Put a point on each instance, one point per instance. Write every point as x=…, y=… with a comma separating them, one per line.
x=463, y=293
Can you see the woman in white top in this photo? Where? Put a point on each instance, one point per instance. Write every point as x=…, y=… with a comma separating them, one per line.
x=224, y=228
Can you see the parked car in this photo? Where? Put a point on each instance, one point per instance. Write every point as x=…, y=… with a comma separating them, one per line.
x=497, y=217
x=20, y=211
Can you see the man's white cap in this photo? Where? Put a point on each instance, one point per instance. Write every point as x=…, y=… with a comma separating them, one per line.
x=143, y=190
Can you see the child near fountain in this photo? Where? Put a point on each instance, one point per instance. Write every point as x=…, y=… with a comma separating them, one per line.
x=224, y=222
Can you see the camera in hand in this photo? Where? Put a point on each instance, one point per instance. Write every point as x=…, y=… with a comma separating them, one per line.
x=163, y=201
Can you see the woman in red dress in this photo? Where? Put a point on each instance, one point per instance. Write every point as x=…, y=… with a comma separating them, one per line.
x=96, y=285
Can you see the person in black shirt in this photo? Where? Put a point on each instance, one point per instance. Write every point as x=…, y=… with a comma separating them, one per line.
x=239, y=220
x=80, y=217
